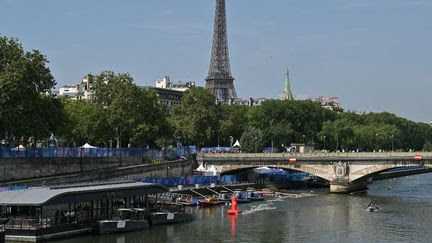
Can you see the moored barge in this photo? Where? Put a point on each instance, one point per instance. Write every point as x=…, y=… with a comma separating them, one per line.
x=37, y=214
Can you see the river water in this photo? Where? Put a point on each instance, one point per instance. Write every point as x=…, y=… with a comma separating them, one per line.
x=405, y=215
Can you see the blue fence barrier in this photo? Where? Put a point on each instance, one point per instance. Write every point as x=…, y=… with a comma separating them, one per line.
x=64, y=152
x=175, y=181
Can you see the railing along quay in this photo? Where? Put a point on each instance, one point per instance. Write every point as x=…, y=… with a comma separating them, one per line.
x=314, y=156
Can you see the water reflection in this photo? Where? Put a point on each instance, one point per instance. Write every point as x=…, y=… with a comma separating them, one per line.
x=233, y=220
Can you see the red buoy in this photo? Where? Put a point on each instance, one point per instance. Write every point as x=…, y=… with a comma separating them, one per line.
x=234, y=209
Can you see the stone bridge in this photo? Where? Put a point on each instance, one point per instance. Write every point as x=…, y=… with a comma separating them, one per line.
x=346, y=172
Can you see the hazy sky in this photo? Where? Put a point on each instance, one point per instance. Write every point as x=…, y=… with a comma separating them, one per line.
x=375, y=55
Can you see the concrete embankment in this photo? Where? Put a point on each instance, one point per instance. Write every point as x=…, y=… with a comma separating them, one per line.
x=68, y=170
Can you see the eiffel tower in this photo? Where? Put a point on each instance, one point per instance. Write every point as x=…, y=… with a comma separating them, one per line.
x=219, y=80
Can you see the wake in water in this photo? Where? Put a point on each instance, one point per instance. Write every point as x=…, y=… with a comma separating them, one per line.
x=276, y=199
x=261, y=207
x=290, y=195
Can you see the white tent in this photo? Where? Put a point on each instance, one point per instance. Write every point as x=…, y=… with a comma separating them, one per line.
x=87, y=146
x=263, y=168
x=237, y=144
x=212, y=170
x=20, y=148
x=201, y=168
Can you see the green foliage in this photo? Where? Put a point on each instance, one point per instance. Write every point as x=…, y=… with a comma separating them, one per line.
x=85, y=122
x=233, y=122
x=427, y=146
x=285, y=122
x=252, y=140
x=25, y=110
x=133, y=114
x=373, y=132
x=196, y=120
x=122, y=111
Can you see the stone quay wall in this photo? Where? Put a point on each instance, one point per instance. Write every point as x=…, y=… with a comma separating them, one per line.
x=19, y=169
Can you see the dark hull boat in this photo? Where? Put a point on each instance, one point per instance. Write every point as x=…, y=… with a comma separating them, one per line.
x=126, y=219
x=158, y=218
x=117, y=226
x=210, y=203
x=254, y=196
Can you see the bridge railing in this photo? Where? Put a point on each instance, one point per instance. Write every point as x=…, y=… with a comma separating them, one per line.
x=317, y=155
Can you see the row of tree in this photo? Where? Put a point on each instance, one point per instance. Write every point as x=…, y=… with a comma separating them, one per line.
x=122, y=114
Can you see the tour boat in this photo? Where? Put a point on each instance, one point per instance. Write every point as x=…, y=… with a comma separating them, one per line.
x=224, y=196
x=254, y=195
x=210, y=201
x=126, y=219
x=242, y=197
x=188, y=200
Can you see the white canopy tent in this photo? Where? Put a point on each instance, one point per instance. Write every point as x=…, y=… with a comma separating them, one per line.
x=237, y=144
x=19, y=147
x=212, y=170
x=201, y=168
x=87, y=146
x=263, y=168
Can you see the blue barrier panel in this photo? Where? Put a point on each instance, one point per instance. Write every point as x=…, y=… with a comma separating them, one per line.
x=175, y=181
x=62, y=152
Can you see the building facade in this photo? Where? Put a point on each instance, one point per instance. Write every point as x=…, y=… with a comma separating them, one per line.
x=169, y=93
x=81, y=91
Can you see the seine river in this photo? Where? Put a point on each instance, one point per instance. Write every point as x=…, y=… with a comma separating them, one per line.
x=405, y=215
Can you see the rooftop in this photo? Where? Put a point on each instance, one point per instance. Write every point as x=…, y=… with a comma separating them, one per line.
x=39, y=196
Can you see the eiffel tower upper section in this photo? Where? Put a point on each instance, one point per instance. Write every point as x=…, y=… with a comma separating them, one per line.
x=219, y=80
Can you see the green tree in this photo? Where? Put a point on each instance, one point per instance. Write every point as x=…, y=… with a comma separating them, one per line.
x=285, y=122
x=134, y=115
x=24, y=82
x=196, y=120
x=252, y=140
x=234, y=120
x=85, y=122
x=427, y=146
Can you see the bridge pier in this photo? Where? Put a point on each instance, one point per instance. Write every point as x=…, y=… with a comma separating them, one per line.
x=347, y=187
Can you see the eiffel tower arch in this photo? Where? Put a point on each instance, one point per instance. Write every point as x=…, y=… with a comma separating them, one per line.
x=220, y=81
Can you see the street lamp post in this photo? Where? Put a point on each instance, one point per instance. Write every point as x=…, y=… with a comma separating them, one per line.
x=167, y=171
x=376, y=141
x=324, y=142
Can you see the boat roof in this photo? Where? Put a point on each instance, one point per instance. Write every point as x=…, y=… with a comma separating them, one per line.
x=40, y=196
x=139, y=209
x=125, y=209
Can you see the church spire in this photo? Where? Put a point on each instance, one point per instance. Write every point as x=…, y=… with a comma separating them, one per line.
x=287, y=95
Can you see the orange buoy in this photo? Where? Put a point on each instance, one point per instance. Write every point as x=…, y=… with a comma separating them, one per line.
x=234, y=209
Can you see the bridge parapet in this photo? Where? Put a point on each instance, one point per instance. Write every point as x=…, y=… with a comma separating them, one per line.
x=344, y=171
x=315, y=156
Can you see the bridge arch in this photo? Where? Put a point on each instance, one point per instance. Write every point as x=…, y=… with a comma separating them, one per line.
x=324, y=174
x=378, y=168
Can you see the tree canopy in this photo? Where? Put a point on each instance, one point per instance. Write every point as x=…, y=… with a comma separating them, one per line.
x=26, y=108
x=196, y=120
x=122, y=111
